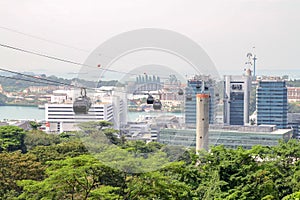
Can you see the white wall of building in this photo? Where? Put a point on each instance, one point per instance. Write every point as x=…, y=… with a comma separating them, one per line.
x=62, y=118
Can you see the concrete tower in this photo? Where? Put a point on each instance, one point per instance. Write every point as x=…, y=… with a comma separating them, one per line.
x=202, y=111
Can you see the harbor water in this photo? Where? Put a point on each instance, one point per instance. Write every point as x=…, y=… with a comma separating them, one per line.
x=34, y=113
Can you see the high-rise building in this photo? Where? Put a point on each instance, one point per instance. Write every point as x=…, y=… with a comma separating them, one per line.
x=294, y=123
x=236, y=99
x=197, y=85
x=271, y=102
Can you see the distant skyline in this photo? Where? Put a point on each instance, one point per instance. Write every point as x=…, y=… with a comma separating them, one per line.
x=226, y=30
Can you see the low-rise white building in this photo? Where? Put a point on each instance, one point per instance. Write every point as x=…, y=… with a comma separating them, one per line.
x=61, y=118
x=107, y=105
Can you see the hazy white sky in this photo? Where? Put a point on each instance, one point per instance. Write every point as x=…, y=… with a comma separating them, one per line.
x=226, y=29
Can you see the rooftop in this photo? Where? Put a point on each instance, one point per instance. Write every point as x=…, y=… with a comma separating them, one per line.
x=260, y=129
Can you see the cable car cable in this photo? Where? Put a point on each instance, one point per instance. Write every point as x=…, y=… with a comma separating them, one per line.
x=43, y=39
x=20, y=79
x=59, y=59
x=59, y=43
x=39, y=78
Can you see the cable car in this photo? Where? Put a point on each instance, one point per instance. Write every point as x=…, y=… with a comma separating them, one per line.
x=150, y=99
x=189, y=97
x=189, y=94
x=180, y=91
x=157, y=104
x=82, y=104
x=198, y=85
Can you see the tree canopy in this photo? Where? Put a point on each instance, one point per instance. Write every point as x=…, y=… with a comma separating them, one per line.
x=59, y=167
x=11, y=138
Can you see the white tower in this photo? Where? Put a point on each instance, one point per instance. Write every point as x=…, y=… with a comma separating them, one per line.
x=202, y=124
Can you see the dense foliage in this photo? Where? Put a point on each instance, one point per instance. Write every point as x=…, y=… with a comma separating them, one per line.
x=294, y=107
x=34, y=165
x=293, y=83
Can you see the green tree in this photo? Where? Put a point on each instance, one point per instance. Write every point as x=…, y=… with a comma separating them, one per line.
x=105, y=192
x=96, y=133
x=12, y=138
x=235, y=174
x=35, y=125
x=92, y=126
x=73, y=178
x=155, y=185
x=141, y=147
x=16, y=166
x=60, y=151
x=186, y=173
x=112, y=136
x=293, y=196
x=293, y=83
x=39, y=138
x=177, y=153
x=285, y=158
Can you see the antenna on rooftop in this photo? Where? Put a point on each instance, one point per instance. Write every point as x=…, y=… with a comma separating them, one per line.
x=251, y=61
x=254, y=62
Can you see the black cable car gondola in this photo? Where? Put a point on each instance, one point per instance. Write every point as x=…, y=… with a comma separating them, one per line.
x=150, y=99
x=189, y=94
x=157, y=104
x=189, y=97
x=180, y=91
x=82, y=104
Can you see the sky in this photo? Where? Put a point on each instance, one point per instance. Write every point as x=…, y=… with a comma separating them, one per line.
x=226, y=29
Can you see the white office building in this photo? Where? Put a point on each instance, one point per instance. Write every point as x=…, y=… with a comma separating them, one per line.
x=61, y=118
x=107, y=104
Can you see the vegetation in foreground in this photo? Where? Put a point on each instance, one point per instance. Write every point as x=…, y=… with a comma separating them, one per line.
x=34, y=165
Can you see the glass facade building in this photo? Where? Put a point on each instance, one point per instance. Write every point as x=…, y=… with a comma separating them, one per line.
x=237, y=109
x=195, y=86
x=294, y=123
x=237, y=98
x=229, y=136
x=271, y=103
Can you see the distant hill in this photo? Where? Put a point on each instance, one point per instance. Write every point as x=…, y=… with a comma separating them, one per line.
x=3, y=99
x=17, y=84
x=293, y=83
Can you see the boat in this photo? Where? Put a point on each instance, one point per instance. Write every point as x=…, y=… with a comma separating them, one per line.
x=41, y=106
